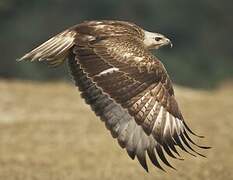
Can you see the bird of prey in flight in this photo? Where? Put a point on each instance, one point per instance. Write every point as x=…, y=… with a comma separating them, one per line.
x=126, y=86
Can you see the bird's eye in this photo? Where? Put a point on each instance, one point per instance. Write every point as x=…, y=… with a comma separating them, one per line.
x=158, y=38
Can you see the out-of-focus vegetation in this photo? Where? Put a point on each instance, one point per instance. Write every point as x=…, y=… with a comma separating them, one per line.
x=201, y=31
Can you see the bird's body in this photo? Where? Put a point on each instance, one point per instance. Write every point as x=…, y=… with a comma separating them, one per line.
x=125, y=85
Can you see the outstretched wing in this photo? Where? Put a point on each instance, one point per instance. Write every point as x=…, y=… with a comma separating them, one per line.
x=54, y=51
x=144, y=115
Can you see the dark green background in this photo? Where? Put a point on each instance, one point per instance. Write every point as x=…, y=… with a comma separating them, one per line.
x=201, y=32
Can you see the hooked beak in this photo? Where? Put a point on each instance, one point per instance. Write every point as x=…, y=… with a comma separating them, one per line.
x=168, y=42
x=164, y=42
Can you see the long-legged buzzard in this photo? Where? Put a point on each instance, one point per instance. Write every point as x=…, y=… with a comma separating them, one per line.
x=125, y=85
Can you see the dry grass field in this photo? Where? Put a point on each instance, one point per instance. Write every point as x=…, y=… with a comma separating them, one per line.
x=48, y=133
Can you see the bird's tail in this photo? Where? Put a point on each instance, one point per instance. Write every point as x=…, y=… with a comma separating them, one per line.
x=54, y=51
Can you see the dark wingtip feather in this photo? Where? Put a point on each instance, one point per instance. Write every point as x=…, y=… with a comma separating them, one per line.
x=131, y=154
x=177, y=139
x=144, y=165
x=187, y=144
x=168, y=151
x=162, y=156
x=168, y=145
x=152, y=156
x=205, y=147
x=171, y=145
x=142, y=160
x=187, y=136
x=186, y=126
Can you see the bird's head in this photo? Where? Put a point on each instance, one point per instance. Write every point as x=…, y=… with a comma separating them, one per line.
x=155, y=40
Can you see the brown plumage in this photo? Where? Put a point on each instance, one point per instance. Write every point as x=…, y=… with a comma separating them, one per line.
x=125, y=85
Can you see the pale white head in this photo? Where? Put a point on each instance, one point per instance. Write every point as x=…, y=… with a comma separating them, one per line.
x=155, y=40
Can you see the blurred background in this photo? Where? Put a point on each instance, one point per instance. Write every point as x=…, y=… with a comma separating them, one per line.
x=201, y=32
x=47, y=132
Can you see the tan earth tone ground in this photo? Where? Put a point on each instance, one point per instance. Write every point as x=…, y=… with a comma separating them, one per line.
x=48, y=133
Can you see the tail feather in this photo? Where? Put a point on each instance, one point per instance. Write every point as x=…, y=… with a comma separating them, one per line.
x=54, y=51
